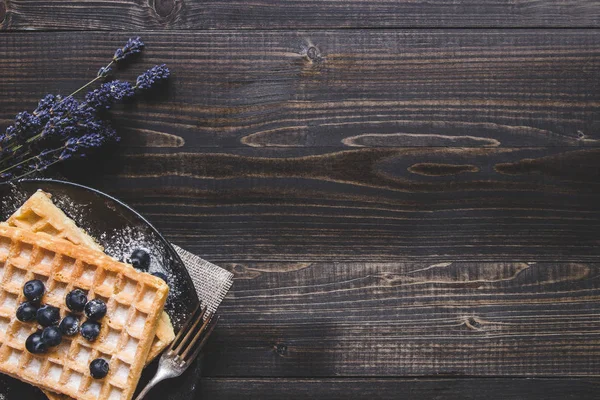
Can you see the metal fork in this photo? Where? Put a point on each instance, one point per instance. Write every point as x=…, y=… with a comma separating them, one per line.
x=184, y=349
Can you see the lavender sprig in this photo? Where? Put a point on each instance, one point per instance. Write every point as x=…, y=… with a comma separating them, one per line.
x=103, y=72
x=61, y=128
x=133, y=46
x=152, y=76
x=99, y=133
x=108, y=94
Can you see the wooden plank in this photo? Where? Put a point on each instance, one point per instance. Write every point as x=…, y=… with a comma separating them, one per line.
x=438, y=389
x=344, y=89
x=361, y=388
x=378, y=204
x=314, y=319
x=296, y=14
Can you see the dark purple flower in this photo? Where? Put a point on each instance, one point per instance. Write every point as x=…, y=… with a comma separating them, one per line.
x=9, y=135
x=104, y=72
x=65, y=120
x=78, y=146
x=67, y=106
x=62, y=128
x=108, y=94
x=152, y=76
x=46, y=104
x=55, y=127
x=26, y=125
x=133, y=46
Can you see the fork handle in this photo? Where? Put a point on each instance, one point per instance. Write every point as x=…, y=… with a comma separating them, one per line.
x=159, y=377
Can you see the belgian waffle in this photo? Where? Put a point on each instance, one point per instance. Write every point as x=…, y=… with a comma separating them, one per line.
x=40, y=214
x=134, y=300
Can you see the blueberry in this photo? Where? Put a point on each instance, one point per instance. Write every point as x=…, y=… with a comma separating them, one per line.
x=51, y=336
x=95, y=309
x=76, y=300
x=27, y=312
x=35, y=344
x=48, y=316
x=34, y=290
x=90, y=330
x=140, y=259
x=98, y=368
x=69, y=325
x=160, y=275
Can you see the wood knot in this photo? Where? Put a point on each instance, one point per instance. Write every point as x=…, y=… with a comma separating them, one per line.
x=2, y=11
x=240, y=269
x=163, y=8
x=281, y=349
x=313, y=53
x=473, y=324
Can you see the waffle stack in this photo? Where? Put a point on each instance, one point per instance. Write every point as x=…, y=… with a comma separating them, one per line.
x=39, y=214
x=134, y=299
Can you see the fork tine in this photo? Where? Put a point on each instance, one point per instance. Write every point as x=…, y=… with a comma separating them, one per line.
x=211, y=327
x=190, y=344
x=190, y=331
x=185, y=327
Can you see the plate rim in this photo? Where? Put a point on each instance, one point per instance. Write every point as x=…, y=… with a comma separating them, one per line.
x=168, y=244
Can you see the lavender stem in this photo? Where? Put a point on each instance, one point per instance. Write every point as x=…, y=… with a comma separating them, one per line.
x=27, y=160
x=34, y=170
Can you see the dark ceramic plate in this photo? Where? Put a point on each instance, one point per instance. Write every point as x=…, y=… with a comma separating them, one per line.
x=120, y=230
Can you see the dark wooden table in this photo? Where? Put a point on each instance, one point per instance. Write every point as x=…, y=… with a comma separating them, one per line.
x=407, y=192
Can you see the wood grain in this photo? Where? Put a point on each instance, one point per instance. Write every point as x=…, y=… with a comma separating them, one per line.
x=319, y=204
x=393, y=203
x=393, y=388
x=311, y=319
x=484, y=88
x=296, y=14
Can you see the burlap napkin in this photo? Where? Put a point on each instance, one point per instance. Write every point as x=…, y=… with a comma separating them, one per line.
x=211, y=282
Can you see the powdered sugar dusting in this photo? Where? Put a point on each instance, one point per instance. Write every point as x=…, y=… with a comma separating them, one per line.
x=11, y=202
x=76, y=211
x=118, y=243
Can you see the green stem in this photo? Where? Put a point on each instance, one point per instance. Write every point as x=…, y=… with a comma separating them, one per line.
x=11, y=155
x=34, y=170
x=33, y=138
x=87, y=84
x=81, y=88
x=27, y=160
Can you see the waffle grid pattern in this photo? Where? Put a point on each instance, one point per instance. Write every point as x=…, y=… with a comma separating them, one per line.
x=39, y=214
x=31, y=216
x=134, y=304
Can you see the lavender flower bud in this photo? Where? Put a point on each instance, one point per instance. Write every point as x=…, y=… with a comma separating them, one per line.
x=133, y=46
x=46, y=104
x=54, y=127
x=10, y=134
x=108, y=94
x=77, y=146
x=104, y=72
x=26, y=125
x=152, y=76
x=67, y=106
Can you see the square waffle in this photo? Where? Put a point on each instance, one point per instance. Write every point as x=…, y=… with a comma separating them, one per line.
x=40, y=214
x=62, y=266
